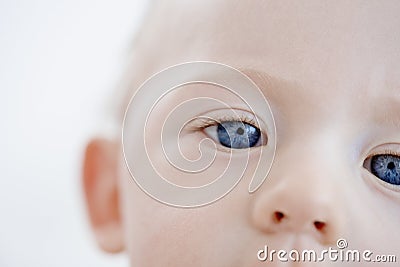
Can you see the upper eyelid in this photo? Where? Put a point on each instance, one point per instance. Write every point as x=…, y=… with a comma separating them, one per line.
x=388, y=148
x=226, y=119
x=385, y=152
x=369, y=150
x=216, y=116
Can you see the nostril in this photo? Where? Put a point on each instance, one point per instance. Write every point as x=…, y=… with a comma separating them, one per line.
x=320, y=226
x=278, y=216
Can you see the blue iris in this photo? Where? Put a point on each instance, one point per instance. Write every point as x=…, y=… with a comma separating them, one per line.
x=236, y=134
x=387, y=168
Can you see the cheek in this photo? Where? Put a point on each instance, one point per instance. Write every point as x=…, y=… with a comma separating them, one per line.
x=374, y=218
x=193, y=163
x=377, y=229
x=157, y=233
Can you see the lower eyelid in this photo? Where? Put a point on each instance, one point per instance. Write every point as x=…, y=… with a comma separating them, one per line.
x=382, y=187
x=387, y=189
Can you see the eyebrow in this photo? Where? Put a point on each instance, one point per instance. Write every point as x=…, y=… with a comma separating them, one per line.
x=263, y=77
x=387, y=109
x=383, y=102
x=272, y=86
x=275, y=88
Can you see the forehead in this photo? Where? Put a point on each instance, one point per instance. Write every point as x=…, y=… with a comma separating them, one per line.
x=299, y=40
x=331, y=46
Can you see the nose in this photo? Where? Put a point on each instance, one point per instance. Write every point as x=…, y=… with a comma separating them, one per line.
x=301, y=199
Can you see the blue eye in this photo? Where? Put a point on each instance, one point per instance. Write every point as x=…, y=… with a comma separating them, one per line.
x=236, y=134
x=386, y=167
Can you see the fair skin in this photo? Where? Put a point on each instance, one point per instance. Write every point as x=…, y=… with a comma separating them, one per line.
x=329, y=70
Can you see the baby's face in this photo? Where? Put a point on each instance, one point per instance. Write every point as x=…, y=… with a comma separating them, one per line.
x=330, y=72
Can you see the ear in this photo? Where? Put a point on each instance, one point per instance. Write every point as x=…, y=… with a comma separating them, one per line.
x=100, y=182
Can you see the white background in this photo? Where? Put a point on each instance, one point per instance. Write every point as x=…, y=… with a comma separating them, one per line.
x=59, y=60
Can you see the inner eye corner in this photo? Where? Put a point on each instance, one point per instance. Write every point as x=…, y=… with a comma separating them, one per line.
x=366, y=163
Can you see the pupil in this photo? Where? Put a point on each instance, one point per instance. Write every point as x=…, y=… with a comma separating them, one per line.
x=391, y=165
x=241, y=131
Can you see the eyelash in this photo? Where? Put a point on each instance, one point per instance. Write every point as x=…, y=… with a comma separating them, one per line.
x=200, y=123
x=384, y=152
